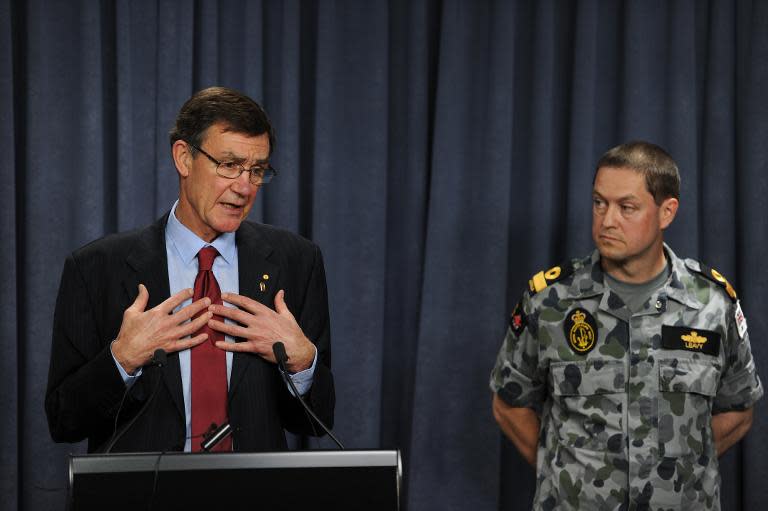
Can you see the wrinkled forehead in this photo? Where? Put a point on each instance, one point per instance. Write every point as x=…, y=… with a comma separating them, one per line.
x=222, y=131
x=237, y=144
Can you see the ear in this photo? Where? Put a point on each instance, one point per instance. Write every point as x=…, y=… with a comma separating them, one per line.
x=667, y=211
x=182, y=158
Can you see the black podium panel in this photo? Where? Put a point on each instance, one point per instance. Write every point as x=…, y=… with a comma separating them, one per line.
x=338, y=480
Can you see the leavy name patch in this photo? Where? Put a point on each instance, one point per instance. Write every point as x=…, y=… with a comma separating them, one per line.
x=690, y=339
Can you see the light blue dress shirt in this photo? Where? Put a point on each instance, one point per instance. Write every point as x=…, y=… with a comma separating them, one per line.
x=182, y=246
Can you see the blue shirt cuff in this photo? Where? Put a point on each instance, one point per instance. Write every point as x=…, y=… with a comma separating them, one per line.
x=303, y=379
x=128, y=379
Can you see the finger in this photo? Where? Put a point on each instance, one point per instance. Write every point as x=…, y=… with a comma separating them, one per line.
x=185, y=344
x=140, y=303
x=191, y=327
x=233, y=330
x=232, y=313
x=191, y=310
x=244, y=302
x=175, y=300
x=280, y=306
x=241, y=347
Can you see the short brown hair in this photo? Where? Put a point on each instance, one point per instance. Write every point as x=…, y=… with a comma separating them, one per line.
x=662, y=177
x=214, y=105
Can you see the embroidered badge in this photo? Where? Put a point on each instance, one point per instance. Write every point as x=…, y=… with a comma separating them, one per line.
x=690, y=339
x=693, y=341
x=518, y=320
x=741, y=320
x=580, y=329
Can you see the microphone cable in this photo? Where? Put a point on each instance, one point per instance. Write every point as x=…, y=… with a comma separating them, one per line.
x=211, y=438
x=281, y=356
x=158, y=359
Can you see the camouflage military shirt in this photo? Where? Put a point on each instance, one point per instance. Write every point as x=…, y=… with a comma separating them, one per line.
x=625, y=400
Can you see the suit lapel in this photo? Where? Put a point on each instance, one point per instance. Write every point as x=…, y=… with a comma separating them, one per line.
x=258, y=278
x=148, y=264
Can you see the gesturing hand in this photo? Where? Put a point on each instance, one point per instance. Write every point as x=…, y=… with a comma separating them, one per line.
x=261, y=327
x=142, y=332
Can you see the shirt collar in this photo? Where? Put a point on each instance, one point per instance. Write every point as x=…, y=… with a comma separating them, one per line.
x=673, y=287
x=676, y=284
x=188, y=244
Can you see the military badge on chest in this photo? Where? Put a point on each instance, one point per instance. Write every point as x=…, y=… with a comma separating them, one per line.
x=690, y=339
x=580, y=330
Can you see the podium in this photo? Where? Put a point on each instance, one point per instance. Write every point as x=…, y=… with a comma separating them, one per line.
x=337, y=480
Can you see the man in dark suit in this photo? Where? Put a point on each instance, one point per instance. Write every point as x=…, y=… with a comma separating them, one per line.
x=124, y=296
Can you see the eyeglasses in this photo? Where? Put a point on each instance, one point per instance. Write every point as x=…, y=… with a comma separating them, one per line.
x=231, y=170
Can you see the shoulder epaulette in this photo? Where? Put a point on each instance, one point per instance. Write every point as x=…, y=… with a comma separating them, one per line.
x=546, y=278
x=715, y=276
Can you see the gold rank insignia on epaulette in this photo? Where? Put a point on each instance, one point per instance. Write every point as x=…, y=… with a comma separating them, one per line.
x=717, y=278
x=546, y=278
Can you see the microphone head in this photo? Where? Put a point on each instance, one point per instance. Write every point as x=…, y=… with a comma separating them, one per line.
x=159, y=357
x=279, y=350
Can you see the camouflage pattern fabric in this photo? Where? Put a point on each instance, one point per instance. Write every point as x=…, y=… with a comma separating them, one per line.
x=625, y=401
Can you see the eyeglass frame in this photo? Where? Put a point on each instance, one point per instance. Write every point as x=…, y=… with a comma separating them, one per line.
x=242, y=167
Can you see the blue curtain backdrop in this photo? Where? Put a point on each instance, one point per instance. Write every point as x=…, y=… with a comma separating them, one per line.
x=439, y=152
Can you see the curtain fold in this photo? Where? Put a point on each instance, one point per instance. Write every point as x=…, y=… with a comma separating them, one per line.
x=11, y=321
x=439, y=151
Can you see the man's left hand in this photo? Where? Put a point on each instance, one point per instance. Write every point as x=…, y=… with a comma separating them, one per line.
x=260, y=327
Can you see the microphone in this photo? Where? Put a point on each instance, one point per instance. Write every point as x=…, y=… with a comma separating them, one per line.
x=217, y=435
x=281, y=357
x=159, y=358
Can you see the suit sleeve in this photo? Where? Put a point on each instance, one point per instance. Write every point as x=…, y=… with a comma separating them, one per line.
x=313, y=318
x=84, y=385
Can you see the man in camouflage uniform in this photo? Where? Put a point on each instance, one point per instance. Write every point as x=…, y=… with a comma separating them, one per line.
x=624, y=375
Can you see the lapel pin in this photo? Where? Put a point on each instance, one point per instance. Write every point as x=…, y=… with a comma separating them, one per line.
x=262, y=284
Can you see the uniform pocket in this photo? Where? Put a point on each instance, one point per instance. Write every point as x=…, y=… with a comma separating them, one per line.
x=687, y=388
x=588, y=400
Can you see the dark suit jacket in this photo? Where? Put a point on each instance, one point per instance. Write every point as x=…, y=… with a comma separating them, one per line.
x=101, y=280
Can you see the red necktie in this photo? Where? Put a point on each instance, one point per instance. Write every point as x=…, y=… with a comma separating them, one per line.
x=209, y=363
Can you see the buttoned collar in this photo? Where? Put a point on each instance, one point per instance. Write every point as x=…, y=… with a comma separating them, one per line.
x=188, y=244
x=589, y=280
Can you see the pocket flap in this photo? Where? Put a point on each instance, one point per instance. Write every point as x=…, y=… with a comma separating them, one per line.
x=587, y=377
x=688, y=375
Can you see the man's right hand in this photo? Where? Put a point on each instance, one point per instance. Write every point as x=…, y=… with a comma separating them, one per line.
x=142, y=332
